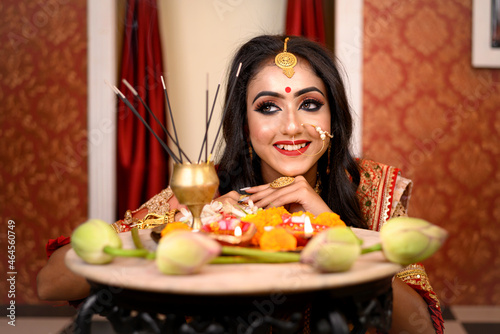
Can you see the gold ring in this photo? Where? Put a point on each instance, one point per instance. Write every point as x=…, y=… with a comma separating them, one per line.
x=281, y=182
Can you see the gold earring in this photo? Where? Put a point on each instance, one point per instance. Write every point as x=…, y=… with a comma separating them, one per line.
x=328, y=157
x=250, y=151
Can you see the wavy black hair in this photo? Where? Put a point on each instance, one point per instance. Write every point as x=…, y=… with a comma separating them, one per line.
x=236, y=168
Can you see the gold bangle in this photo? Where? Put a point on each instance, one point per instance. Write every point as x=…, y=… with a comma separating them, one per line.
x=170, y=216
x=116, y=226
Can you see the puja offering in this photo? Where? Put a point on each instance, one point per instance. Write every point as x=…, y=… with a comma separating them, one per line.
x=330, y=249
x=301, y=225
x=303, y=229
x=230, y=231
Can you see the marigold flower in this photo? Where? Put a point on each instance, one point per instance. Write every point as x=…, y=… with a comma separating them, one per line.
x=277, y=239
x=175, y=226
x=263, y=218
x=328, y=219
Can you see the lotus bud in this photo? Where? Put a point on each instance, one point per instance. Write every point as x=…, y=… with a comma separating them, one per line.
x=184, y=252
x=89, y=239
x=332, y=250
x=408, y=240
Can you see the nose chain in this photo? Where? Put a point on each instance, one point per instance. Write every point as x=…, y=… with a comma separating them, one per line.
x=322, y=135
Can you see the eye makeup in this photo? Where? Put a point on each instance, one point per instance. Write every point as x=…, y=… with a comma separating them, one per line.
x=267, y=107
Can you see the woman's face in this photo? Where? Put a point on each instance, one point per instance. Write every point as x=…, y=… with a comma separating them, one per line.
x=280, y=113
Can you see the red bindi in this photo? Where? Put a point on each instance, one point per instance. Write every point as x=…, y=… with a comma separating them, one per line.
x=288, y=89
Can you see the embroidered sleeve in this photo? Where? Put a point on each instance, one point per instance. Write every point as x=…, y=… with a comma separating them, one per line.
x=157, y=205
x=376, y=192
x=401, y=196
x=415, y=276
x=399, y=211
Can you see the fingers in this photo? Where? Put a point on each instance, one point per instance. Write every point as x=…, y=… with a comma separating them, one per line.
x=297, y=192
x=264, y=195
x=286, y=182
x=296, y=196
x=231, y=197
x=253, y=190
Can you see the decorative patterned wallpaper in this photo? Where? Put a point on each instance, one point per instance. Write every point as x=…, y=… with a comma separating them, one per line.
x=427, y=111
x=43, y=131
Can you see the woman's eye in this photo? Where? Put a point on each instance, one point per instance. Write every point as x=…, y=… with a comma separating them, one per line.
x=311, y=105
x=267, y=108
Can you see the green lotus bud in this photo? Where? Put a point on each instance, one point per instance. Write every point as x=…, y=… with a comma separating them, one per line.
x=333, y=250
x=408, y=240
x=185, y=252
x=89, y=239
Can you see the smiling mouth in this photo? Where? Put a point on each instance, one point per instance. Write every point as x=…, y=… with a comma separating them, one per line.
x=292, y=150
x=291, y=147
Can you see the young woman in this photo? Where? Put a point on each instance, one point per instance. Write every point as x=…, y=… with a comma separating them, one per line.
x=286, y=143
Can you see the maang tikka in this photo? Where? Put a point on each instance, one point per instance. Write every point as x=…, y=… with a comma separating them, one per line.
x=286, y=61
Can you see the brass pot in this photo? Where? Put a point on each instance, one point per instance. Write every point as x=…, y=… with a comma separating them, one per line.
x=194, y=185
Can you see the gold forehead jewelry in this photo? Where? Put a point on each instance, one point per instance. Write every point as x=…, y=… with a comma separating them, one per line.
x=281, y=182
x=286, y=61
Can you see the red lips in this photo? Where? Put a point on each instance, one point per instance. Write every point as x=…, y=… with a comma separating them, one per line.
x=293, y=152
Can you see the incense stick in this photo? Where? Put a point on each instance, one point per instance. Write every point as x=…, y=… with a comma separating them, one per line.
x=206, y=120
x=171, y=116
x=225, y=109
x=136, y=94
x=122, y=97
x=205, y=140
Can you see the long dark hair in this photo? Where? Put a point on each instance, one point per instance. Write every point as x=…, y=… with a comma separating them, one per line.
x=236, y=168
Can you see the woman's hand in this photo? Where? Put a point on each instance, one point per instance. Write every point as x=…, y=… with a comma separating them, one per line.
x=231, y=197
x=297, y=196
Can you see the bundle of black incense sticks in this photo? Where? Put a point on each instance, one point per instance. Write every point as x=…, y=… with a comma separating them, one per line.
x=208, y=118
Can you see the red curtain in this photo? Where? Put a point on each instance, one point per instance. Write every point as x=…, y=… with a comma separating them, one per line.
x=305, y=18
x=141, y=161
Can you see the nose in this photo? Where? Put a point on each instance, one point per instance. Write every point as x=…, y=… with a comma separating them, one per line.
x=291, y=124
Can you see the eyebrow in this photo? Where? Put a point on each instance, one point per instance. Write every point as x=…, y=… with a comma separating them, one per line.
x=307, y=90
x=267, y=93
x=300, y=92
